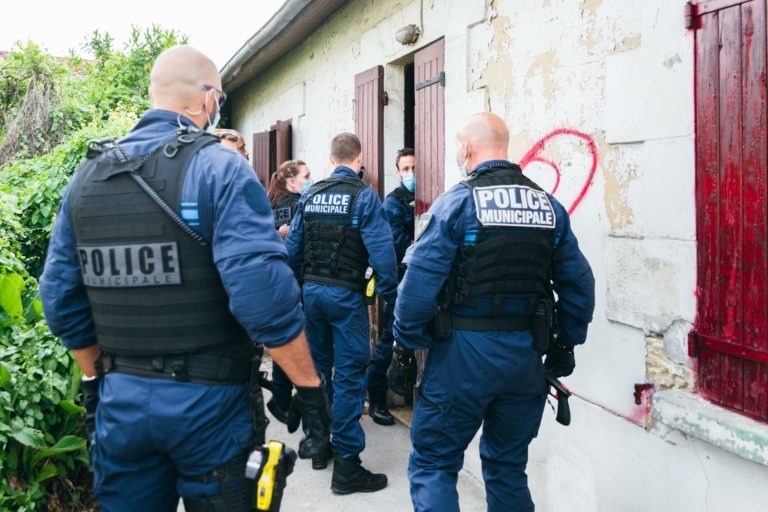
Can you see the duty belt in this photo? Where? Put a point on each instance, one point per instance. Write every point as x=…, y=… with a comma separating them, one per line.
x=195, y=368
x=490, y=323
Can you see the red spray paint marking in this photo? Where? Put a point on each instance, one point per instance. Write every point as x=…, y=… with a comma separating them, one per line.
x=534, y=155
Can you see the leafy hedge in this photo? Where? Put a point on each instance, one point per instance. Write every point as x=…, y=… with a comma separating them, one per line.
x=49, y=110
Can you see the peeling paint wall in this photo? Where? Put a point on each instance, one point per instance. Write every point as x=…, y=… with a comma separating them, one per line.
x=598, y=95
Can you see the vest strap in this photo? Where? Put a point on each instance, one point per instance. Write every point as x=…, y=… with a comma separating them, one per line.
x=490, y=323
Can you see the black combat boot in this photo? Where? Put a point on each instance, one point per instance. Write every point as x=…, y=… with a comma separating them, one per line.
x=380, y=413
x=320, y=461
x=350, y=476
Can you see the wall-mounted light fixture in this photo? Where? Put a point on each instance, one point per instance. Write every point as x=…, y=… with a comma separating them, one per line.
x=409, y=34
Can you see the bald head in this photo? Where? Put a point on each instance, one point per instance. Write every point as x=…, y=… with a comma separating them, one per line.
x=483, y=136
x=177, y=80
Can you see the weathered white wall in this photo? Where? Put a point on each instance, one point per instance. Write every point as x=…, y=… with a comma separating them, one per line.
x=583, y=84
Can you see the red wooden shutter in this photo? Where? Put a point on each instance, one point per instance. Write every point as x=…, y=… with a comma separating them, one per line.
x=369, y=124
x=731, y=337
x=261, y=157
x=429, y=78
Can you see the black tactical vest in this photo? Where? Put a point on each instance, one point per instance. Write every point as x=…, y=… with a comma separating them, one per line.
x=152, y=288
x=284, y=208
x=334, y=252
x=406, y=197
x=512, y=256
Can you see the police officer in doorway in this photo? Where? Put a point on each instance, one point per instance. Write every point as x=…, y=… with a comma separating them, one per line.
x=479, y=293
x=340, y=230
x=399, y=209
x=163, y=272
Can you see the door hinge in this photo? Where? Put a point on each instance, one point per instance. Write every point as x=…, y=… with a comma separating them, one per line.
x=439, y=79
x=690, y=15
x=385, y=99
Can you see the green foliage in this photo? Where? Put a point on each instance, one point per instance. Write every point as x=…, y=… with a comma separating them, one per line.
x=49, y=110
x=40, y=428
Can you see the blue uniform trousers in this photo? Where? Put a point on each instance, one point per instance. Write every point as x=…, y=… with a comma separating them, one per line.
x=473, y=378
x=382, y=357
x=337, y=328
x=154, y=435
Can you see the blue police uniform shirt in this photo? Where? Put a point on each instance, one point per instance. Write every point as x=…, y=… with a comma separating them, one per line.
x=374, y=231
x=222, y=200
x=451, y=222
x=399, y=217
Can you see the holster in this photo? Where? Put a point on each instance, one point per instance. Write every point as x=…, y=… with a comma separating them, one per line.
x=541, y=325
x=256, y=399
x=440, y=326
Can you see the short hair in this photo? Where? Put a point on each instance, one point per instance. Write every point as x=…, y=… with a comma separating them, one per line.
x=401, y=153
x=232, y=135
x=345, y=147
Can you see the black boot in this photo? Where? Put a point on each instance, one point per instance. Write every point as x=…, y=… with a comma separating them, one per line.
x=350, y=476
x=380, y=413
x=320, y=461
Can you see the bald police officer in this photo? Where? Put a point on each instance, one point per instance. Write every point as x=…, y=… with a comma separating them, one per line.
x=162, y=273
x=478, y=292
x=339, y=230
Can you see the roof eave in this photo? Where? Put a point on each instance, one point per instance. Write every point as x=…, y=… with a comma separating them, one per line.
x=288, y=28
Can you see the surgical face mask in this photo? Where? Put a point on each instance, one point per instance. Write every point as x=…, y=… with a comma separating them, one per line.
x=306, y=186
x=409, y=181
x=211, y=128
x=212, y=124
x=463, y=167
x=462, y=163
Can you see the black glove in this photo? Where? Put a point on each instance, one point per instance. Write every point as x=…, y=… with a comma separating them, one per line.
x=312, y=405
x=559, y=361
x=402, y=370
x=90, y=402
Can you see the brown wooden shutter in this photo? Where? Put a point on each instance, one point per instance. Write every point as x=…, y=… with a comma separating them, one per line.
x=369, y=124
x=261, y=164
x=429, y=126
x=731, y=333
x=283, y=143
x=429, y=78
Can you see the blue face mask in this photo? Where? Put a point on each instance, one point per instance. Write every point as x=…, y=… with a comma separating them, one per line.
x=409, y=181
x=306, y=186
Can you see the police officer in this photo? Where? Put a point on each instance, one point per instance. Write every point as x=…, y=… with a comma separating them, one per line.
x=478, y=292
x=233, y=139
x=339, y=230
x=286, y=185
x=398, y=207
x=163, y=270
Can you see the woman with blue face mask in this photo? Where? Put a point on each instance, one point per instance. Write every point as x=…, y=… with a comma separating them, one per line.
x=287, y=184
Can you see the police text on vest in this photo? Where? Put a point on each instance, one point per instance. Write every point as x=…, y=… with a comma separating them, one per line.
x=328, y=204
x=513, y=205
x=117, y=266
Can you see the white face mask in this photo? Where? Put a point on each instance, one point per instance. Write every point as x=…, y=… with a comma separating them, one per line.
x=463, y=170
x=211, y=128
x=463, y=167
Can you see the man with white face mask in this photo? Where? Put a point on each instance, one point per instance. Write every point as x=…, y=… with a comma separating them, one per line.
x=399, y=209
x=163, y=273
x=478, y=292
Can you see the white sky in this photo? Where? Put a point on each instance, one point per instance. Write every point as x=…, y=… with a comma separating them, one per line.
x=218, y=29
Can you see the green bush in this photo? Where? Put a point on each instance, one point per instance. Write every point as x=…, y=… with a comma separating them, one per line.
x=49, y=110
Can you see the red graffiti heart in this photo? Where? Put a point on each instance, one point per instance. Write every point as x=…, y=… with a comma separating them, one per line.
x=535, y=155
